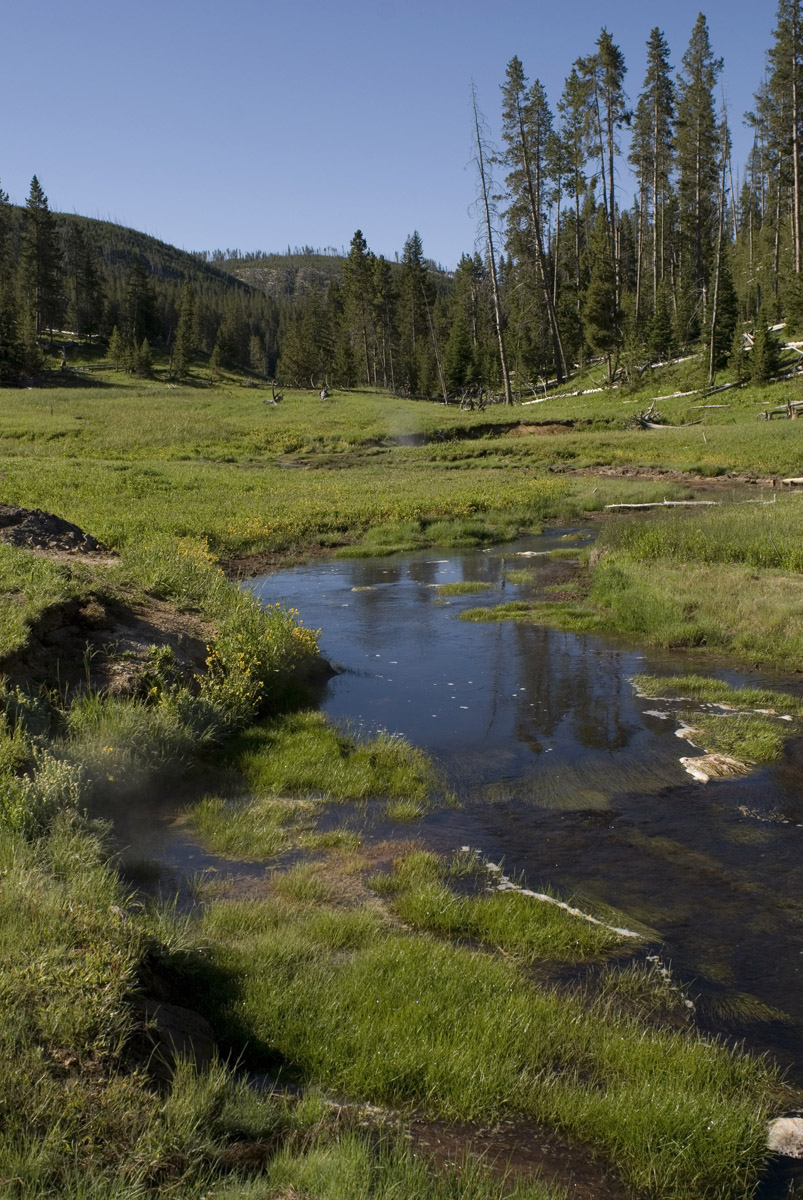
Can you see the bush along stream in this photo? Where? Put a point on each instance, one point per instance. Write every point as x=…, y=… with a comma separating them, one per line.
x=366, y=984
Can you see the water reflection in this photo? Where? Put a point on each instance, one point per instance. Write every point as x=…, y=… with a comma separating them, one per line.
x=565, y=773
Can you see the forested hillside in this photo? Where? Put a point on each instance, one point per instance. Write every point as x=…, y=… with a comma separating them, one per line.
x=586, y=259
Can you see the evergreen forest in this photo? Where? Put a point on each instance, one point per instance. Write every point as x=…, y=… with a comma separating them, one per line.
x=615, y=226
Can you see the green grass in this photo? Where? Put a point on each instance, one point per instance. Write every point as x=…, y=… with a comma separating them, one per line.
x=139, y=461
x=531, y=930
x=464, y=587
x=728, y=610
x=751, y=739
x=404, y=1019
x=758, y=535
x=521, y=577
x=29, y=584
x=291, y=768
x=715, y=691
x=78, y=1114
x=303, y=753
x=173, y=477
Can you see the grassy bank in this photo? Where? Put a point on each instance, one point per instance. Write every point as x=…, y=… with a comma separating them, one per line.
x=727, y=580
x=341, y=996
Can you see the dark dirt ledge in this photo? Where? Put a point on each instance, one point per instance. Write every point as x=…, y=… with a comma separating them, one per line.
x=106, y=644
x=38, y=530
x=98, y=640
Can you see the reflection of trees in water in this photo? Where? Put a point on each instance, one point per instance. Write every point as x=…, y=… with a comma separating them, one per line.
x=369, y=573
x=423, y=571
x=568, y=680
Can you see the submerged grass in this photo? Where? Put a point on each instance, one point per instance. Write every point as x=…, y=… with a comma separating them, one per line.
x=292, y=768
x=356, y=1166
x=507, y=920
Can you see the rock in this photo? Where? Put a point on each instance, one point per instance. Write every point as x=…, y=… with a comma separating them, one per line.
x=785, y=1136
x=715, y=766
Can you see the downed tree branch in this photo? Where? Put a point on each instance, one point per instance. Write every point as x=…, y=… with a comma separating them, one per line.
x=666, y=504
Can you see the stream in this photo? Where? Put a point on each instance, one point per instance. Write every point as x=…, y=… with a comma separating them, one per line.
x=568, y=777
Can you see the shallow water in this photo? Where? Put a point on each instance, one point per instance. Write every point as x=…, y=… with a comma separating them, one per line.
x=567, y=775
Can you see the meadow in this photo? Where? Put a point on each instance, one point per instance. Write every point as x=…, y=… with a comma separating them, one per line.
x=390, y=977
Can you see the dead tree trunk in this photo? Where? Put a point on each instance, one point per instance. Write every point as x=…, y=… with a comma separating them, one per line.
x=500, y=334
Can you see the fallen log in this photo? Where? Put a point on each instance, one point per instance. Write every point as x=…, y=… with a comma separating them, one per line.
x=667, y=503
x=645, y=424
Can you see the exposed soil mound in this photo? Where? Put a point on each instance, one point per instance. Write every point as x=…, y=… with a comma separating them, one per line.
x=106, y=644
x=45, y=531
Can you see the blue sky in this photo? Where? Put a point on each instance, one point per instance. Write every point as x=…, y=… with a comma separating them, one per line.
x=263, y=125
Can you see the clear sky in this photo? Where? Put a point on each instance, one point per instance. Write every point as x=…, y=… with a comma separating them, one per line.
x=258, y=125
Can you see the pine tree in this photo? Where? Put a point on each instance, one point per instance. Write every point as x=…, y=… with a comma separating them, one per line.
x=738, y=359
x=606, y=112
x=527, y=131
x=601, y=313
x=697, y=156
x=83, y=280
x=660, y=342
x=727, y=316
x=183, y=341
x=357, y=291
x=256, y=354
x=142, y=360
x=383, y=303
x=116, y=352
x=458, y=357
x=652, y=155
x=785, y=108
x=416, y=295
x=765, y=356
x=40, y=263
x=140, y=305
x=233, y=336
x=10, y=355
x=572, y=108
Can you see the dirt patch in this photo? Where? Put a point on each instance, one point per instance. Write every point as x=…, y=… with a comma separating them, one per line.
x=44, y=531
x=544, y=430
x=521, y=1149
x=263, y=562
x=106, y=644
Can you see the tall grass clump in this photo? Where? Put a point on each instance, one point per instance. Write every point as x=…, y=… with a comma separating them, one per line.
x=405, y=1019
x=519, y=924
x=304, y=753
x=759, y=535
x=748, y=737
